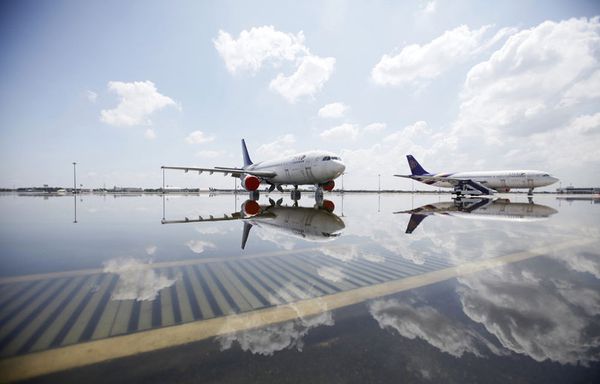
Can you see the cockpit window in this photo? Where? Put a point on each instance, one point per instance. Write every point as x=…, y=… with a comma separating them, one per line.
x=327, y=158
x=546, y=175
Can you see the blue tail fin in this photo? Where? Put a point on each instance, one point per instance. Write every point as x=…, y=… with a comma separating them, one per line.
x=247, y=160
x=415, y=167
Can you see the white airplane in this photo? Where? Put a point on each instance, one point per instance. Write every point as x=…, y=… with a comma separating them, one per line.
x=482, y=209
x=480, y=182
x=317, y=168
x=316, y=224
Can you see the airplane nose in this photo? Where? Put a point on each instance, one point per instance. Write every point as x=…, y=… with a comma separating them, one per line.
x=340, y=167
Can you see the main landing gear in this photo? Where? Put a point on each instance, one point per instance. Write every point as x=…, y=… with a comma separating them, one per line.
x=295, y=194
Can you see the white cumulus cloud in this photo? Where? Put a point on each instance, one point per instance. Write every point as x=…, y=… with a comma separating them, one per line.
x=199, y=246
x=137, y=101
x=375, y=127
x=136, y=280
x=198, y=137
x=150, y=134
x=333, y=110
x=533, y=92
x=312, y=73
x=208, y=154
x=344, y=131
x=259, y=44
x=91, y=96
x=429, y=7
x=282, y=146
x=263, y=44
x=417, y=63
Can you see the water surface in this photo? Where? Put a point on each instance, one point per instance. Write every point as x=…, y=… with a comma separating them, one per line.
x=359, y=288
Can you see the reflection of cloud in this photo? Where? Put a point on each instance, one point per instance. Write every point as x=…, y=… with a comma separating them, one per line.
x=272, y=338
x=211, y=230
x=199, y=246
x=332, y=274
x=136, y=280
x=282, y=240
x=351, y=252
x=583, y=262
x=547, y=313
x=427, y=323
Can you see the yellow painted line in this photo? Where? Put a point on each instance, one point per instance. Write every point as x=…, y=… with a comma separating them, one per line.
x=14, y=322
x=271, y=284
x=166, y=264
x=185, y=309
x=216, y=292
x=231, y=289
x=309, y=278
x=55, y=360
x=84, y=317
x=167, y=313
x=37, y=322
x=237, y=284
x=201, y=298
x=145, y=320
x=107, y=319
x=259, y=287
x=48, y=336
x=122, y=319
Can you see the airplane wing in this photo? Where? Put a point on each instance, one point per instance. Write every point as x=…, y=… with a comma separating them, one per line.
x=235, y=172
x=454, y=181
x=200, y=219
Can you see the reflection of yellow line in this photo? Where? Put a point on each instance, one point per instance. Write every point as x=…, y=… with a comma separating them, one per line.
x=40, y=363
x=166, y=264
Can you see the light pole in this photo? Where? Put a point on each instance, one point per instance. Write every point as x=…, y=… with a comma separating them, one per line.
x=379, y=188
x=74, y=177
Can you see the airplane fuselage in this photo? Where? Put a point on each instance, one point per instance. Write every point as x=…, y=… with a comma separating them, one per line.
x=300, y=222
x=498, y=180
x=314, y=167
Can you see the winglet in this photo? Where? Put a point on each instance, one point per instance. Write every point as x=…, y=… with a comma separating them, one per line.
x=247, y=160
x=413, y=223
x=415, y=167
x=247, y=227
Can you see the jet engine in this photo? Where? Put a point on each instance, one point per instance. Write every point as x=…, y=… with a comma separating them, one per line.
x=328, y=205
x=328, y=186
x=250, y=208
x=250, y=183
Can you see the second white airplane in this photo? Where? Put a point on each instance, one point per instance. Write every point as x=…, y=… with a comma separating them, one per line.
x=318, y=168
x=481, y=182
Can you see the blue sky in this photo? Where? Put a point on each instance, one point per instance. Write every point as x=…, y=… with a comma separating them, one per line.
x=123, y=87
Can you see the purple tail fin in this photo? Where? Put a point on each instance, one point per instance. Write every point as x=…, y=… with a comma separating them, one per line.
x=415, y=167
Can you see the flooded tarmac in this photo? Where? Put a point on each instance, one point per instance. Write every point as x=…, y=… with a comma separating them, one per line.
x=358, y=288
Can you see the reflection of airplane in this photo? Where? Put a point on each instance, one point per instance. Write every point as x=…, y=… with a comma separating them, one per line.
x=480, y=183
x=480, y=208
x=312, y=224
x=317, y=168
